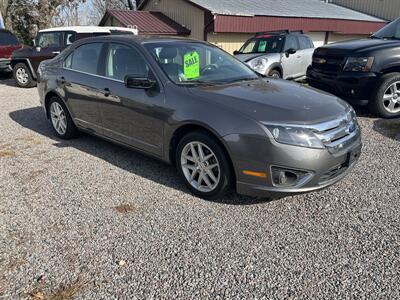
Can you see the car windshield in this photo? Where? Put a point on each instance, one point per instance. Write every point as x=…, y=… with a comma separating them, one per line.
x=198, y=63
x=390, y=31
x=263, y=44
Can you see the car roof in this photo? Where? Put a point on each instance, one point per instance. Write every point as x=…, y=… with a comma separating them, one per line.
x=141, y=39
x=88, y=29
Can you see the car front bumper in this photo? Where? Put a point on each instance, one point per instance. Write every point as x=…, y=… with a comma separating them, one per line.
x=323, y=168
x=355, y=88
x=5, y=65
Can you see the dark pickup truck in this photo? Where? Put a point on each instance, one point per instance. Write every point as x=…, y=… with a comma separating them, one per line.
x=363, y=72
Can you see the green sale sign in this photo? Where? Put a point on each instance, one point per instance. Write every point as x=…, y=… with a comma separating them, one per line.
x=191, y=62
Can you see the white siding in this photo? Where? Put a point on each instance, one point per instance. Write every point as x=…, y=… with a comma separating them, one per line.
x=335, y=37
x=318, y=38
x=228, y=41
x=181, y=12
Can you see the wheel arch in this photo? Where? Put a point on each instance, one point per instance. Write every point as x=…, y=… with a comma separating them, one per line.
x=186, y=128
x=25, y=61
x=47, y=98
x=275, y=66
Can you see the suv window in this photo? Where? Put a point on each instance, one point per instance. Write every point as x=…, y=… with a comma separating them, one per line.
x=122, y=60
x=85, y=58
x=305, y=42
x=50, y=39
x=69, y=38
x=7, y=38
x=291, y=43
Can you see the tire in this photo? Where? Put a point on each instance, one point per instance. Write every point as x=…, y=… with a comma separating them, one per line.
x=380, y=106
x=274, y=74
x=23, y=76
x=222, y=175
x=58, y=111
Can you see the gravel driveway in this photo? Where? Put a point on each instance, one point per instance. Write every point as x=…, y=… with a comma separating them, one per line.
x=86, y=219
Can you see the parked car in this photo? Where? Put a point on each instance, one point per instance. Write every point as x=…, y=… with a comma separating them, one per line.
x=191, y=104
x=364, y=72
x=8, y=44
x=49, y=43
x=279, y=54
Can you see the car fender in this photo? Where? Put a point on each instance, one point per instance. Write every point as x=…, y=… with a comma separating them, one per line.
x=275, y=65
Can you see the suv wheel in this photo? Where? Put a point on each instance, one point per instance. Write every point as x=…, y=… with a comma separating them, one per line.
x=274, y=74
x=203, y=165
x=23, y=76
x=386, y=100
x=61, y=120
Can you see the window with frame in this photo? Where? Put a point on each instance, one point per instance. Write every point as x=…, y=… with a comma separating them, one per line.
x=85, y=58
x=7, y=38
x=122, y=60
x=305, y=42
x=50, y=39
x=291, y=43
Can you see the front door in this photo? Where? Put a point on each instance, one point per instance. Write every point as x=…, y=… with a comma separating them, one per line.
x=47, y=46
x=291, y=61
x=132, y=116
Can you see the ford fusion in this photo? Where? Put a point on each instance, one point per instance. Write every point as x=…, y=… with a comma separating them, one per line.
x=191, y=104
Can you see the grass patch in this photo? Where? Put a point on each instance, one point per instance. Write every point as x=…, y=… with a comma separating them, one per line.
x=125, y=208
x=7, y=153
x=64, y=292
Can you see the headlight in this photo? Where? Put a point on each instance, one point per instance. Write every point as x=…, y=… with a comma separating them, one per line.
x=259, y=65
x=358, y=64
x=296, y=136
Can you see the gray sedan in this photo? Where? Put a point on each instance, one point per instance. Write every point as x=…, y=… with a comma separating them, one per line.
x=191, y=104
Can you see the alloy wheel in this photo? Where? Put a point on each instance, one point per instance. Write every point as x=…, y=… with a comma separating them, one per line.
x=58, y=118
x=200, y=167
x=391, y=98
x=22, y=76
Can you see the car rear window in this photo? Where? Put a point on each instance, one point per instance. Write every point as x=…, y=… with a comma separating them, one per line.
x=85, y=58
x=305, y=42
x=7, y=38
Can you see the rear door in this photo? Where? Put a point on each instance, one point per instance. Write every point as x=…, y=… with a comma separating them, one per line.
x=48, y=45
x=132, y=116
x=291, y=62
x=82, y=85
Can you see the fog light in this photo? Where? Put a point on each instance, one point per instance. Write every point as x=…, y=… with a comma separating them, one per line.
x=288, y=178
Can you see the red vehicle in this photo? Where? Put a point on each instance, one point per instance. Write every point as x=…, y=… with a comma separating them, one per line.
x=8, y=44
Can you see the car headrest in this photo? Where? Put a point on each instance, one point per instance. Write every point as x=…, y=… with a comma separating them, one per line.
x=168, y=53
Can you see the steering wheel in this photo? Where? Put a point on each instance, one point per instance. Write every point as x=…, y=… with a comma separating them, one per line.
x=209, y=67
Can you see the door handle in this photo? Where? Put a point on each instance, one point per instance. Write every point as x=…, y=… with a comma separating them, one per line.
x=107, y=92
x=56, y=52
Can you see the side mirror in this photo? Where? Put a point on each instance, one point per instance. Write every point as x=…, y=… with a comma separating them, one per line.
x=236, y=52
x=139, y=82
x=290, y=51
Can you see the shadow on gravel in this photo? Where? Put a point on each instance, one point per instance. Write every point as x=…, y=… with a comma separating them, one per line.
x=363, y=112
x=129, y=160
x=7, y=79
x=389, y=128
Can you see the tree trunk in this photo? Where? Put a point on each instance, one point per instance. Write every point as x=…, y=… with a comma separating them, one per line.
x=3, y=8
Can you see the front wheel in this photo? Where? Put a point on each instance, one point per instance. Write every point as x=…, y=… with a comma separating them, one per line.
x=274, y=74
x=385, y=102
x=203, y=165
x=23, y=76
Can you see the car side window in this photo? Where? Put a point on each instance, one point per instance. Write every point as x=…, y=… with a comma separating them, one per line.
x=50, y=39
x=69, y=38
x=291, y=43
x=85, y=58
x=305, y=42
x=122, y=60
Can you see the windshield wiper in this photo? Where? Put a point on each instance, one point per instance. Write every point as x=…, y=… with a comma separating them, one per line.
x=200, y=82
x=390, y=38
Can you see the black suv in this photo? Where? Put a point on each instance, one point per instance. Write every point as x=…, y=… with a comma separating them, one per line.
x=364, y=72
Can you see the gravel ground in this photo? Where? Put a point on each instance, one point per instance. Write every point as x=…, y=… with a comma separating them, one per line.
x=90, y=220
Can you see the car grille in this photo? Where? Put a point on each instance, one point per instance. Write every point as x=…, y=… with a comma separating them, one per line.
x=327, y=62
x=339, y=134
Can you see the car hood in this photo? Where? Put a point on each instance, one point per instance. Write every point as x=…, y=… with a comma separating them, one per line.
x=364, y=45
x=248, y=57
x=275, y=101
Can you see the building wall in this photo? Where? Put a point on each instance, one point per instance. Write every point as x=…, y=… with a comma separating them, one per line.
x=182, y=12
x=386, y=9
x=228, y=41
x=336, y=37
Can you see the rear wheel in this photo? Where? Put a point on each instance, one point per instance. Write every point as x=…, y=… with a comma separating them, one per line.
x=203, y=165
x=61, y=120
x=23, y=76
x=386, y=100
x=274, y=74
